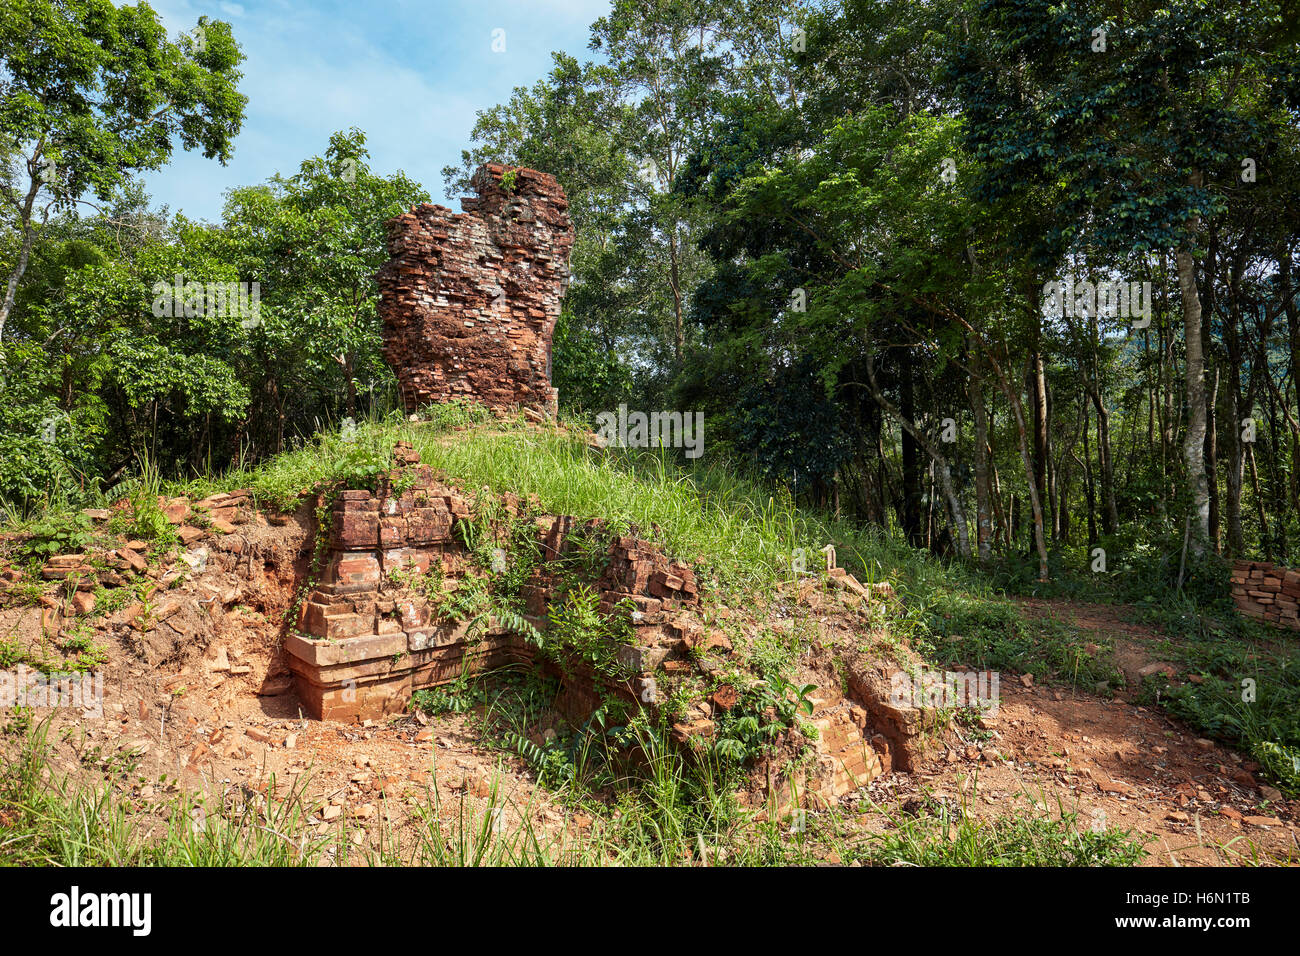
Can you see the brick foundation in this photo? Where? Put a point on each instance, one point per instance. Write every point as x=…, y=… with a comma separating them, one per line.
x=1267, y=592
x=367, y=642
x=365, y=645
x=469, y=300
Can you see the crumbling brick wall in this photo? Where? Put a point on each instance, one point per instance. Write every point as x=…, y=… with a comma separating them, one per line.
x=368, y=639
x=365, y=646
x=469, y=300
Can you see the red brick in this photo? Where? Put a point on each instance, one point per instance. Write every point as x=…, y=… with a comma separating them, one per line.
x=416, y=559
x=392, y=532
x=425, y=526
x=354, y=572
x=353, y=531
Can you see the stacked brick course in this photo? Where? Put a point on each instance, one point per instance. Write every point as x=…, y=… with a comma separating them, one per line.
x=1267, y=592
x=362, y=652
x=370, y=650
x=469, y=300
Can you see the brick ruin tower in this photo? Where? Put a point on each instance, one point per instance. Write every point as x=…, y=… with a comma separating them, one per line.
x=469, y=300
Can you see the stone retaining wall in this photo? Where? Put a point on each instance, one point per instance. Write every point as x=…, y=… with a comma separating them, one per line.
x=1267, y=592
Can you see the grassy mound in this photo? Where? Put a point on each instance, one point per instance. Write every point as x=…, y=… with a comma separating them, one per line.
x=744, y=540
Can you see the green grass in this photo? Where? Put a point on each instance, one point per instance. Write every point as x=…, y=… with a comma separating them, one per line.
x=950, y=837
x=987, y=632
x=745, y=533
x=51, y=820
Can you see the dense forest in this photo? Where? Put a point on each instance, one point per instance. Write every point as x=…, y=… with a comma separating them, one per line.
x=1012, y=280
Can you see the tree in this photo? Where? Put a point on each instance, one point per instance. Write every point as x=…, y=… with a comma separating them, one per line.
x=1145, y=114
x=314, y=241
x=92, y=93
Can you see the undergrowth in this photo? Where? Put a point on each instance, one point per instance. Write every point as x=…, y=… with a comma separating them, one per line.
x=742, y=539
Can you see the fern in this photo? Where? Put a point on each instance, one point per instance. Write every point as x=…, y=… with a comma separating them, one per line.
x=513, y=621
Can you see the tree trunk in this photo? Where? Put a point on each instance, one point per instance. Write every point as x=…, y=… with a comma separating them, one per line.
x=1003, y=529
x=1293, y=337
x=351, y=386
x=940, y=462
x=1212, y=458
x=1105, y=467
x=1053, y=516
x=1038, y=400
x=983, y=519
x=1265, y=538
x=29, y=237
x=1063, y=507
x=1194, y=444
x=1168, y=401
x=1236, y=539
x=1236, y=410
x=1088, y=481
x=1273, y=458
x=1211, y=379
x=11, y=290
x=911, y=459
x=1035, y=505
x=675, y=282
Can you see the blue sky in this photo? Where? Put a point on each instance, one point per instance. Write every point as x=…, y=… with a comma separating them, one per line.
x=410, y=73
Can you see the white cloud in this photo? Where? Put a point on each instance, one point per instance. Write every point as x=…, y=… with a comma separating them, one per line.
x=409, y=74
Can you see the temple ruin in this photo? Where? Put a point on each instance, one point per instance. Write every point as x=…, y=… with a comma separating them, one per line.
x=469, y=300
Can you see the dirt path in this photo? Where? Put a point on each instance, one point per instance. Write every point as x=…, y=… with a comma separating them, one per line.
x=1116, y=763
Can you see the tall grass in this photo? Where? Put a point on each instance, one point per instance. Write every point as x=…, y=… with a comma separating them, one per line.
x=952, y=837
x=50, y=819
x=745, y=532
x=1248, y=687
